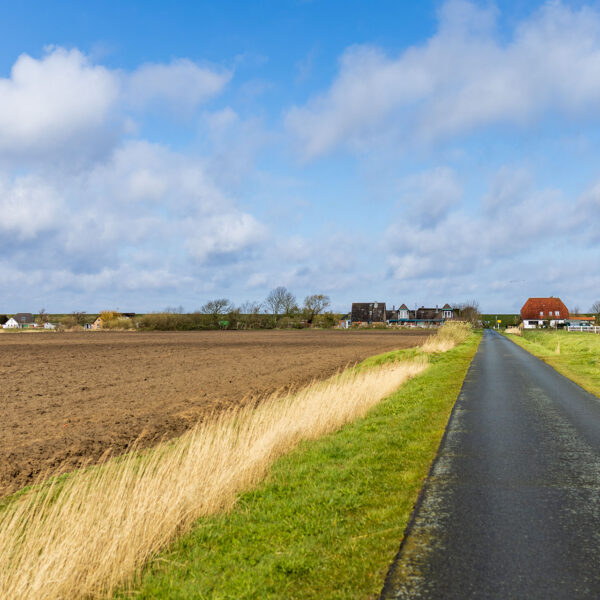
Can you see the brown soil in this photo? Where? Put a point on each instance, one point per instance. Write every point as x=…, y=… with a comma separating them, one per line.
x=68, y=398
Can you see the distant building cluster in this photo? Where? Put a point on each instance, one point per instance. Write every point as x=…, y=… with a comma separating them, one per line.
x=376, y=313
x=23, y=321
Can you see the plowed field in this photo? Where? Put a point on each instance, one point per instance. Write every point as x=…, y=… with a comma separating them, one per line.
x=68, y=398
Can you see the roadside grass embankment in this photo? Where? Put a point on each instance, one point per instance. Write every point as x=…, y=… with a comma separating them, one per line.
x=575, y=355
x=86, y=534
x=329, y=519
x=450, y=335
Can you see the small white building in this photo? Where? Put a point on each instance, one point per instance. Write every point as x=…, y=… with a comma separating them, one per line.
x=49, y=326
x=11, y=324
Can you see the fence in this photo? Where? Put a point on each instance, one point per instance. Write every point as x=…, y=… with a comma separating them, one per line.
x=592, y=328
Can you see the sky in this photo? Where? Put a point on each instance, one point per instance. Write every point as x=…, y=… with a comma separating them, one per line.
x=160, y=154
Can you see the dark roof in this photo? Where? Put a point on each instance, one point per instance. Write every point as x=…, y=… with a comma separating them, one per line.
x=403, y=307
x=446, y=307
x=368, y=312
x=534, y=306
x=23, y=318
x=3, y=319
x=429, y=314
x=391, y=315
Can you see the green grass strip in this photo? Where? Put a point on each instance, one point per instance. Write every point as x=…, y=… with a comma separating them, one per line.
x=575, y=355
x=328, y=521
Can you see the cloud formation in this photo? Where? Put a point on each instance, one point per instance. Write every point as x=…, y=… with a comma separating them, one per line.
x=181, y=84
x=462, y=79
x=515, y=238
x=87, y=204
x=64, y=107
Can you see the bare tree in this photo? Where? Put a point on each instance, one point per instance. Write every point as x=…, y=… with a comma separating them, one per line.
x=469, y=311
x=217, y=308
x=42, y=316
x=314, y=305
x=575, y=311
x=290, y=306
x=281, y=301
x=174, y=310
x=250, y=308
x=595, y=307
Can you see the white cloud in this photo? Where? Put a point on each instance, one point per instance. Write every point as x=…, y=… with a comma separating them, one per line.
x=146, y=206
x=514, y=223
x=58, y=101
x=463, y=78
x=64, y=108
x=224, y=236
x=181, y=84
x=28, y=207
x=429, y=196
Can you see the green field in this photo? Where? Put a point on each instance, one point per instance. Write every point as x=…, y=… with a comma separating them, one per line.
x=575, y=355
x=328, y=521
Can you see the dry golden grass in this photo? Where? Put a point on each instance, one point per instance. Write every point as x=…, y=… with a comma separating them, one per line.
x=449, y=335
x=514, y=330
x=88, y=534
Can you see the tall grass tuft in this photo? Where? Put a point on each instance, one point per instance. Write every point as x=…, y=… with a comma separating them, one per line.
x=90, y=533
x=449, y=335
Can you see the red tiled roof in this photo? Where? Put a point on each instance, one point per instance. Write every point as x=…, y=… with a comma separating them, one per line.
x=536, y=308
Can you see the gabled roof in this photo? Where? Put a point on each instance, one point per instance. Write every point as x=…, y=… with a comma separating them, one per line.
x=533, y=308
x=446, y=307
x=403, y=307
x=23, y=318
x=428, y=314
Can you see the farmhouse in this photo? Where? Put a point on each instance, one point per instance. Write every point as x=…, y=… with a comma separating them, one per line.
x=368, y=313
x=422, y=317
x=539, y=311
x=20, y=321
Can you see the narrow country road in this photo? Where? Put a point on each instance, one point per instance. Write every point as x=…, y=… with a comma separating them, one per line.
x=512, y=505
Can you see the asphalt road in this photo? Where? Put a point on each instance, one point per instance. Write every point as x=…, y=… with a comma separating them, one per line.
x=512, y=505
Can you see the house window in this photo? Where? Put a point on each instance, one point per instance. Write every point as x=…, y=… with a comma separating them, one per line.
x=556, y=313
x=541, y=313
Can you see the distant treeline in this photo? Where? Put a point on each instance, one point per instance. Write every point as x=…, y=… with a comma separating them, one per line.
x=168, y=321
x=279, y=310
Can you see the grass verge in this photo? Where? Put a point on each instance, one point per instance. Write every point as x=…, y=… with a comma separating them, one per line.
x=328, y=520
x=85, y=534
x=573, y=354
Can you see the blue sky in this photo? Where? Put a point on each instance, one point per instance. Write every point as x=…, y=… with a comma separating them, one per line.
x=417, y=152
